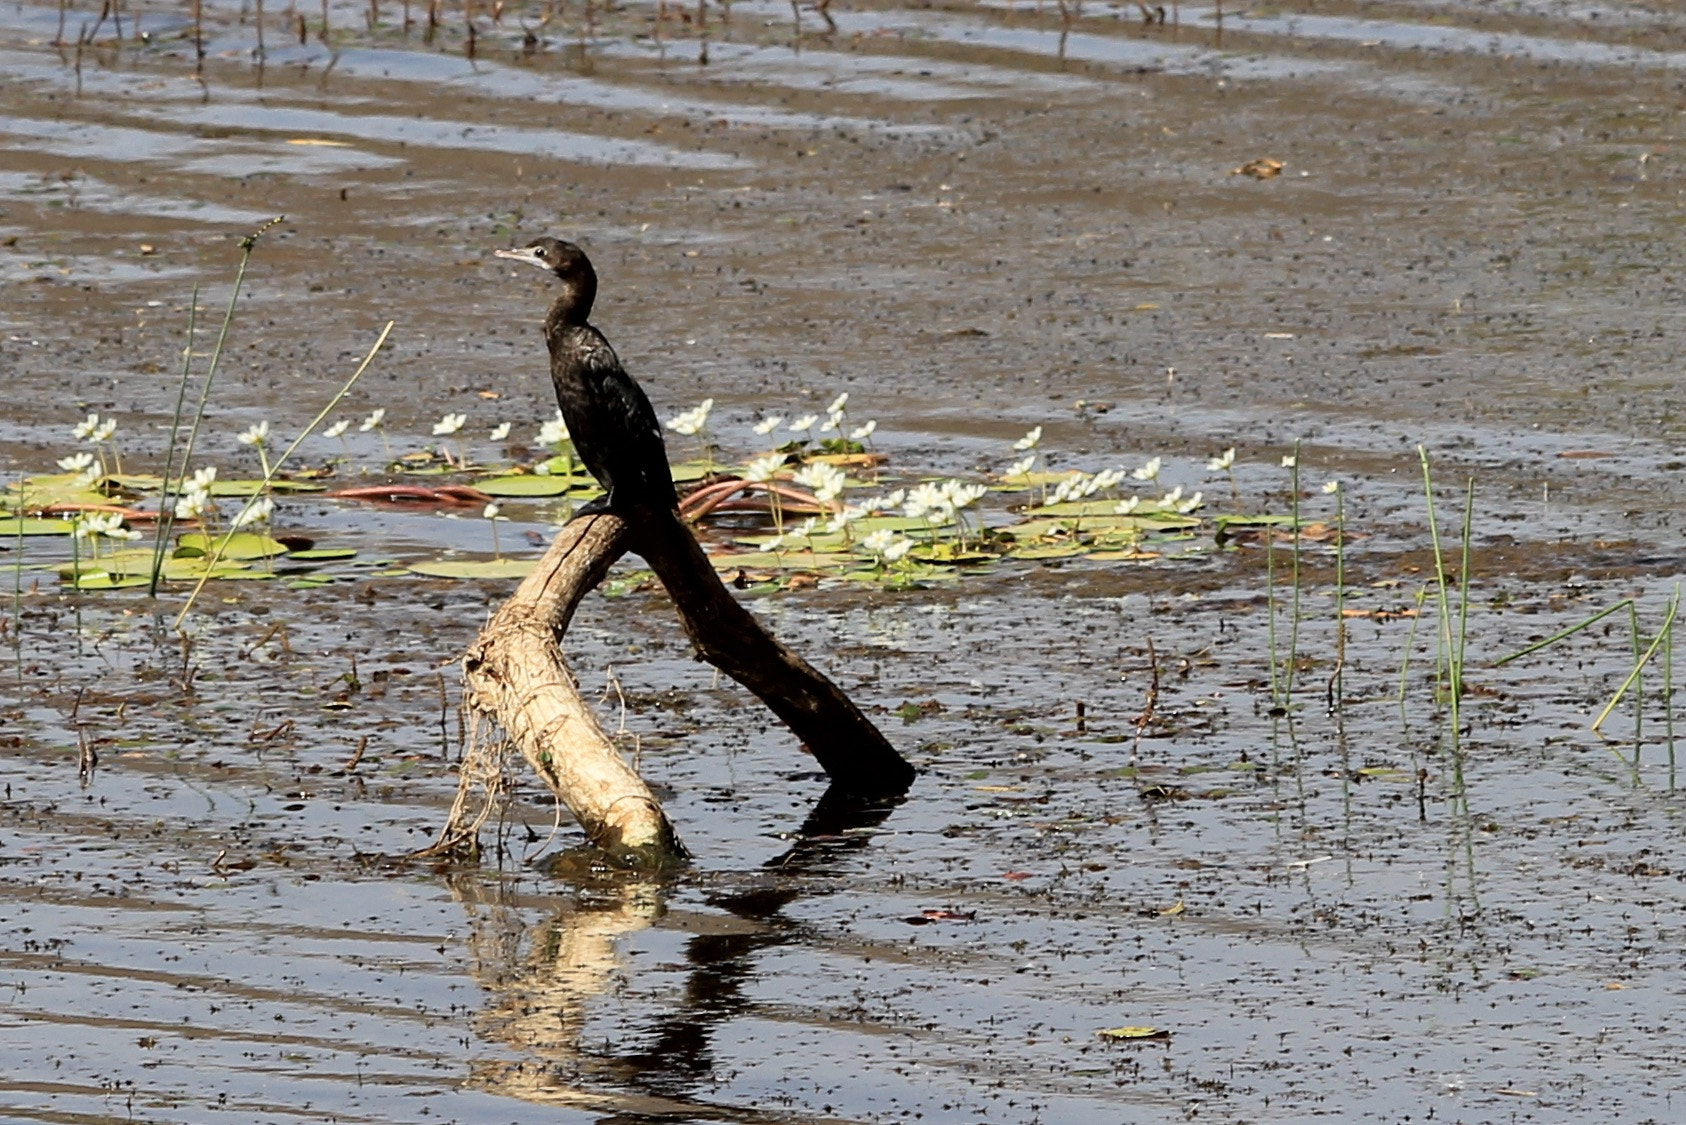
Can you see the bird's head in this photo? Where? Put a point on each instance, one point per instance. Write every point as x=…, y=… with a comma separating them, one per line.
x=552, y=254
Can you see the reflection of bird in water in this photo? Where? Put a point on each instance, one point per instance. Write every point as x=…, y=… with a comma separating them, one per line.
x=614, y=428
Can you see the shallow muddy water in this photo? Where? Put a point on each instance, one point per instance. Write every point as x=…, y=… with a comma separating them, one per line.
x=975, y=219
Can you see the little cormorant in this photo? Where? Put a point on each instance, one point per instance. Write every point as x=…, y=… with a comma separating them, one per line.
x=614, y=428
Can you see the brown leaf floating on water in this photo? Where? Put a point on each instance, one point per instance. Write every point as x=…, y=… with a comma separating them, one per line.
x=1261, y=169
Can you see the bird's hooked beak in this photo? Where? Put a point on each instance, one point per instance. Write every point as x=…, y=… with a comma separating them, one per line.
x=527, y=254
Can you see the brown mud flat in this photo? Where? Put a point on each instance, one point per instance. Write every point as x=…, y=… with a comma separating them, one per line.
x=974, y=219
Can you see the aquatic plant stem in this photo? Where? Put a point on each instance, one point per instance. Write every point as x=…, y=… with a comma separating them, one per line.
x=1564, y=634
x=17, y=584
x=247, y=246
x=221, y=544
x=1668, y=680
x=1294, y=619
x=1270, y=612
x=1455, y=671
x=1638, y=682
x=1640, y=660
x=172, y=483
x=1335, y=679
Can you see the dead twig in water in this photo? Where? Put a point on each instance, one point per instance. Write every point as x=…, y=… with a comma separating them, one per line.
x=1146, y=717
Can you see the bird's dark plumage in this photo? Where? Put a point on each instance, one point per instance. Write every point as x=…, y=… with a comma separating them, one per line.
x=614, y=428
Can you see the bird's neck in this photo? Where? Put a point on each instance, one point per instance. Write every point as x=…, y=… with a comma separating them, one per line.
x=572, y=306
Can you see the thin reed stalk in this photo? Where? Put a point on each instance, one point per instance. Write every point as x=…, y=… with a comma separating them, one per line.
x=1294, y=620
x=1410, y=643
x=172, y=480
x=1276, y=699
x=1454, y=664
x=221, y=544
x=1640, y=660
x=1336, y=679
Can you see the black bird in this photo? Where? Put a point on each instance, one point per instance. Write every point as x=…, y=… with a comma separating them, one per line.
x=614, y=428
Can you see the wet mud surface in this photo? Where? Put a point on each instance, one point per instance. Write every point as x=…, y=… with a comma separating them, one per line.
x=975, y=219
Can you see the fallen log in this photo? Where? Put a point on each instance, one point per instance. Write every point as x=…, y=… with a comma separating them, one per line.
x=515, y=675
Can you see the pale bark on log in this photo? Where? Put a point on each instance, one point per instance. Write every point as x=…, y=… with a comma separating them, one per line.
x=516, y=674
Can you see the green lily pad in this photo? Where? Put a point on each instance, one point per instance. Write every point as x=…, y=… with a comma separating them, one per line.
x=137, y=562
x=105, y=580
x=782, y=560
x=473, y=568
x=687, y=471
x=1046, y=551
x=34, y=525
x=253, y=487
x=1229, y=521
x=1022, y=481
x=951, y=554
x=234, y=545
x=322, y=554
x=136, y=482
x=524, y=485
x=54, y=488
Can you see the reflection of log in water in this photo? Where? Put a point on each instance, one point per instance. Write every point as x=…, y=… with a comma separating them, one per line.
x=542, y=982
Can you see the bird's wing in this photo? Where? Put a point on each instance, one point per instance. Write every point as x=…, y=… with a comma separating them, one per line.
x=617, y=391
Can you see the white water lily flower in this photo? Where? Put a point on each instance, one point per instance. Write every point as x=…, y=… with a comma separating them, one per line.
x=1193, y=502
x=337, y=428
x=491, y=511
x=203, y=479
x=691, y=420
x=832, y=421
x=102, y=433
x=768, y=424
x=827, y=481
x=775, y=542
x=863, y=431
x=1170, y=499
x=1125, y=507
x=1223, y=462
x=1030, y=441
x=373, y=421
x=554, y=432
x=806, y=422
x=878, y=540
x=76, y=463
x=1149, y=471
x=763, y=469
x=1021, y=467
x=960, y=495
x=192, y=504
x=1290, y=461
x=891, y=501
x=897, y=549
x=449, y=425
x=88, y=477
x=848, y=515
x=98, y=523
x=256, y=513
x=1071, y=488
x=500, y=431
x=1331, y=486
x=925, y=501
x=803, y=530
x=127, y=533
x=1108, y=478
x=254, y=435
x=87, y=426
x=838, y=403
